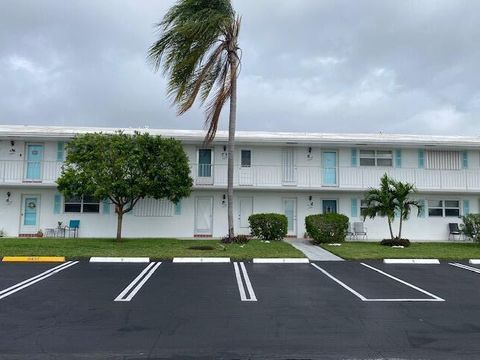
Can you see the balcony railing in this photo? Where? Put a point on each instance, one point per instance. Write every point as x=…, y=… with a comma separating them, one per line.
x=341, y=177
x=274, y=176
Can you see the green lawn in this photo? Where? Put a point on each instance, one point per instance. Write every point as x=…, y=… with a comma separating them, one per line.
x=435, y=250
x=164, y=249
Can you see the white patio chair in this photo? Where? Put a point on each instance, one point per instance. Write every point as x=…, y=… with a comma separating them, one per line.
x=359, y=229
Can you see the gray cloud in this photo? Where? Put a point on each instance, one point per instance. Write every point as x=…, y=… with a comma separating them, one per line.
x=308, y=65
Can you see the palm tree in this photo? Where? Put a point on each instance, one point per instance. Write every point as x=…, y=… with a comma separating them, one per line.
x=198, y=51
x=404, y=202
x=381, y=202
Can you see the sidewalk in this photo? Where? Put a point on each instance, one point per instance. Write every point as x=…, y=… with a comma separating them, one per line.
x=315, y=253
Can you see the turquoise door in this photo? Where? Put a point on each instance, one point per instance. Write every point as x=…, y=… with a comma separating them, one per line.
x=329, y=168
x=30, y=211
x=329, y=206
x=205, y=162
x=34, y=161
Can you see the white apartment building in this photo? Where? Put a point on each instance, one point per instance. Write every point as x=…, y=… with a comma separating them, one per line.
x=296, y=174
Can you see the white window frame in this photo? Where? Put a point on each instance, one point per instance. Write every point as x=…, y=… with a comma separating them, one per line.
x=376, y=157
x=251, y=158
x=444, y=208
x=82, y=203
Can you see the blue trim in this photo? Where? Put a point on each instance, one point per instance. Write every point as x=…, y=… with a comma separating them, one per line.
x=354, y=208
x=57, y=204
x=465, y=159
x=354, y=158
x=421, y=158
x=178, y=208
x=423, y=209
x=398, y=158
x=466, y=207
x=106, y=207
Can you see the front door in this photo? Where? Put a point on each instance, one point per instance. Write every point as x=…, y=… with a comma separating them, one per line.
x=288, y=166
x=329, y=206
x=290, y=211
x=203, y=215
x=34, y=162
x=29, y=216
x=245, y=174
x=329, y=168
x=204, y=174
x=245, y=210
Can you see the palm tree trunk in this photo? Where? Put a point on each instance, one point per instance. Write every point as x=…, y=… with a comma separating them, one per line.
x=390, y=228
x=231, y=143
x=400, y=226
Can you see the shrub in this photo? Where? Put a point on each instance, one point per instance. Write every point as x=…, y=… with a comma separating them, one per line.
x=239, y=239
x=395, y=242
x=268, y=226
x=325, y=228
x=471, y=226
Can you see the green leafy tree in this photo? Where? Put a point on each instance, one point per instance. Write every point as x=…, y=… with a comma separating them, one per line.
x=124, y=169
x=198, y=51
x=391, y=198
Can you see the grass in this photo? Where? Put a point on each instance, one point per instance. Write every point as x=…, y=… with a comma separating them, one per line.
x=430, y=250
x=157, y=248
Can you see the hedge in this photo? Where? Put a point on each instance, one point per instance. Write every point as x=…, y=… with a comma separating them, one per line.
x=327, y=228
x=269, y=226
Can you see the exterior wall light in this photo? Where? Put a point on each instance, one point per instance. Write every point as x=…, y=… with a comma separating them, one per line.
x=8, y=200
x=309, y=154
x=224, y=200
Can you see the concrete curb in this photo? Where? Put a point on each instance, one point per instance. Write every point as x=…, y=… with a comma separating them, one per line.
x=474, y=261
x=281, y=261
x=201, y=260
x=411, y=261
x=99, y=259
x=33, y=259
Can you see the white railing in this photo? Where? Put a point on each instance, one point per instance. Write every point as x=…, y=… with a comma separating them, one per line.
x=19, y=171
x=344, y=177
x=274, y=176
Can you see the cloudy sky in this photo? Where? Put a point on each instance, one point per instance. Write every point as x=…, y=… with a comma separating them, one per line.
x=308, y=65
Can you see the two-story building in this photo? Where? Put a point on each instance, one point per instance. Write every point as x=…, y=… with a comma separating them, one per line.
x=296, y=174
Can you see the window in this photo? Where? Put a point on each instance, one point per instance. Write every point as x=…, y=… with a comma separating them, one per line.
x=443, y=160
x=246, y=158
x=85, y=204
x=363, y=206
x=376, y=158
x=443, y=208
x=204, y=162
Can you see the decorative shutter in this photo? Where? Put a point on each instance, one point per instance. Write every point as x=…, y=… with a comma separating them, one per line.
x=423, y=209
x=465, y=159
x=354, y=158
x=466, y=207
x=354, y=208
x=106, y=207
x=60, y=151
x=398, y=158
x=178, y=208
x=421, y=158
x=57, y=203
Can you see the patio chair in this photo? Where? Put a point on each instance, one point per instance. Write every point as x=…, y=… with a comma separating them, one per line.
x=360, y=229
x=350, y=232
x=453, y=231
x=73, y=227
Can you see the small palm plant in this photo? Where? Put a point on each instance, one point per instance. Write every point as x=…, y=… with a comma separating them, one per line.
x=390, y=199
x=198, y=50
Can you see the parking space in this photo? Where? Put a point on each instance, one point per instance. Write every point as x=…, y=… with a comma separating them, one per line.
x=241, y=310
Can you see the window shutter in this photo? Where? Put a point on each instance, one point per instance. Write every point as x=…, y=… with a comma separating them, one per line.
x=421, y=158
x=465, y=159
x=354, y=208
x=60, y=151
x=423, y=209
x=57, y=203
x=354, y=158
x=106, y=206
x=398, y=158
x=178, y=208
x=466, y=207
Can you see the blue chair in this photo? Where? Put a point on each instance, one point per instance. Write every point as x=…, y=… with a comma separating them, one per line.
x=73, y=227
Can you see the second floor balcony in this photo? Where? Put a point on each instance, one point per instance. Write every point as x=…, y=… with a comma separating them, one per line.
x=14, y=172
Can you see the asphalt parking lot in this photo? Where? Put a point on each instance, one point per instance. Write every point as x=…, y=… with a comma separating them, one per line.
x=329, y=310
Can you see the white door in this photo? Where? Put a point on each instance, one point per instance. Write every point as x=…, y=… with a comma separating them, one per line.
x=30, y=214
x=203, y=215
x=288, y=166
x=290, y=211
x=245, y=176
x=245, y=210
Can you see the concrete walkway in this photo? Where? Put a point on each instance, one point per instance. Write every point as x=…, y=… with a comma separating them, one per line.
x=313, y=252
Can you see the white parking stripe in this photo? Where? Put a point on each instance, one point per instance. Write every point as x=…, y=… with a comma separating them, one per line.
x=138, y=282
x=405, y=283
x=33, y=280
x=465, y=267
x=363, y=298
x=239, y=271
